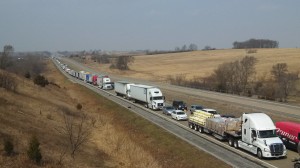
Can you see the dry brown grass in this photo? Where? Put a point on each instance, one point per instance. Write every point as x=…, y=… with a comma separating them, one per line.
x=202, y=63
x=119, y=138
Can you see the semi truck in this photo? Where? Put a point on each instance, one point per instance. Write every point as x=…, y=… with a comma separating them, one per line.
x=94, y=78
x=87, y=77
x=90, y=78
x=289, y=132
x=82, y=75
x=122, y=88
x=150, y=96
x=253, y=132
x=104, y=82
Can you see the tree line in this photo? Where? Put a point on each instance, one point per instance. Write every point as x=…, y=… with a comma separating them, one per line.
x=239, y=77
x=256, y=43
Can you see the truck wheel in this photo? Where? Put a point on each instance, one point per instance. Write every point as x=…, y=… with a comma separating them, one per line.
x=297, y=165
x=236, y=144
x=230, y=142
x=259, y=154
x=196, y=128
x=200, y=129
x=298, y=148
x=191, y=126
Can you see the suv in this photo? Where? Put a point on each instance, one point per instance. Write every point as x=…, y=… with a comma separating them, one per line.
x=179, y=105
x=195, y=108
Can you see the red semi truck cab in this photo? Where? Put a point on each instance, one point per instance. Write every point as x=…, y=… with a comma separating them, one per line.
x=289, y=132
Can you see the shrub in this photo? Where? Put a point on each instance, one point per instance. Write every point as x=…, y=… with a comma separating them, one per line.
x=79, y=106
x=27, y=75
x=7, y=81
x=41, y=80
x=34, y=152
x=8, y=146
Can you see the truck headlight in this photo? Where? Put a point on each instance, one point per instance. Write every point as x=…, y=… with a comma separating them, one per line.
x=266, y=149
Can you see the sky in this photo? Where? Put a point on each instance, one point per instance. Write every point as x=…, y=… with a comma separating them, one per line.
x=126, y=25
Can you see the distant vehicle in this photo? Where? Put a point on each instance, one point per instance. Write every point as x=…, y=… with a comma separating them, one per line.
x=122, y=88
x=212, y=111
x=90, y=78
x=289, y=132
x=179, y=105
x=104, y=82
x=179, y=115
x=227, y=116
x=82, y=75
x=167, y=110
x=195, y=108
x=150, y=96
x=94, y=79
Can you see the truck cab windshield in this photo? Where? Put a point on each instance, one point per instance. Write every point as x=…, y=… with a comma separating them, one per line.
x=157, y=98
x=267, y=134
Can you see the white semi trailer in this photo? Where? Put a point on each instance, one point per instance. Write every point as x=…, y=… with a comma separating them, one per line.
x=122, y=88
x=82, y=75
x=150, y=96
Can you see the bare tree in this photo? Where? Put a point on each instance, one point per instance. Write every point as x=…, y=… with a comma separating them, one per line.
x=193, y=47
x=122, y=62
x=78, y=133
x=235, y=76
x=184, y=48
x=284, y=79
x=247, y=70
x=279, y=71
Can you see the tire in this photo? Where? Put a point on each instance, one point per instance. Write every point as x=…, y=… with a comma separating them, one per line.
x=200, y=129
x=296, y=165
x=196, y=128
x=259, y=154
x=191, y=126
x=230, y=142
x=236, y=144
x=177, y=119
x=298, y=148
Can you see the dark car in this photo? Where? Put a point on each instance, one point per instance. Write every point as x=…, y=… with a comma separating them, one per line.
x=179, y=105
x=195, y=108
x=168, y=110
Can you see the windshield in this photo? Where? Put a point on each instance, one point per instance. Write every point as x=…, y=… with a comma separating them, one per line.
x=198, y=108
x=212, y=112
x=157, y=98
x=267, y=134
x=170, y=108
x=180, y=113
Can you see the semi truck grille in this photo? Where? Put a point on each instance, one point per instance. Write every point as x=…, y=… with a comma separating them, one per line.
x=160, y=104
x=276, y=149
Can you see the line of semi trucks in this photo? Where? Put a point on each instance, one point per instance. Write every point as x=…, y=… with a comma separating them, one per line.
x=252, y=132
